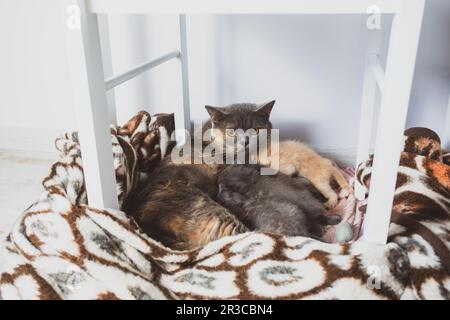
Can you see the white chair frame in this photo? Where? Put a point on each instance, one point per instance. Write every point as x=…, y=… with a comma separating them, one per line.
x=446, y=140
x=394, y=82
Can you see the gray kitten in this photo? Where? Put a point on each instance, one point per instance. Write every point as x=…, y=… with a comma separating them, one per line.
x=278, y=203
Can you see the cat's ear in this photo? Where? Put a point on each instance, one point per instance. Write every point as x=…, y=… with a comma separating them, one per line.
x=265, y=109
x=215, y=113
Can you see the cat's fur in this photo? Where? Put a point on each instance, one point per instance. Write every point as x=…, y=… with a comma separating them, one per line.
x=296, y=158
x=276, y=203
x=177, y=206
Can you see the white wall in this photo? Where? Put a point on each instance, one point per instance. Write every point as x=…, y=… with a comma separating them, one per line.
x=431, y=88
x=312, y=66
x=34, y=88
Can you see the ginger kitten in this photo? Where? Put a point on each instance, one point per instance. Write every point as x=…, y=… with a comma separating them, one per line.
x=296, y=158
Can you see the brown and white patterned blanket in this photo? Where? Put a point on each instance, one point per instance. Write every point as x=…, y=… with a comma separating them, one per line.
x=63, y=249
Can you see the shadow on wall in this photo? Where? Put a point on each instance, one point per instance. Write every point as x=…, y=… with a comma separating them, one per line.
x=296, y=130
x=314, y=76
x=431, y=87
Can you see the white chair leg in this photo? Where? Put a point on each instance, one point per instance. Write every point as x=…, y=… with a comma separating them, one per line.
x=105, y=42
x=89, y=97
x=394, y=106
x=367, y=107
x=183, y=116
x=446, y=138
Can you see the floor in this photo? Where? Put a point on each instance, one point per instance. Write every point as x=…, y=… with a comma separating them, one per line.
x=21, y=173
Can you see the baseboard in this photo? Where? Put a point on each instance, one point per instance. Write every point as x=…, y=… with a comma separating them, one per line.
x=30, y=139
x=344, y=156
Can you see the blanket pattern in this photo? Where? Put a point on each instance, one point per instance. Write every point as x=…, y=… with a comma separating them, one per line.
x=423, y=182
x=63, y=249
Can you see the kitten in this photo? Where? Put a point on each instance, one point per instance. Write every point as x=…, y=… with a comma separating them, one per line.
x=296, y=158
x=276, y=203
x=177, y=206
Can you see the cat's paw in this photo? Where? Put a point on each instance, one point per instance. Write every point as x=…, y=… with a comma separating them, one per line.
x=332, y=201
x=289, y=170
x=345, y=192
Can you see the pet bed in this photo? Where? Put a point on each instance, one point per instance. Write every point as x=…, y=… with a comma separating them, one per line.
x=63, y=249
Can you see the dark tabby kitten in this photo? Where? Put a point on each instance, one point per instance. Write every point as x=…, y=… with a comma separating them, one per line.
x=281, y=204
x=177, y=206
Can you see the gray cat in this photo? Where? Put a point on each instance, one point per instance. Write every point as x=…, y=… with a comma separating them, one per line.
x=278, y=203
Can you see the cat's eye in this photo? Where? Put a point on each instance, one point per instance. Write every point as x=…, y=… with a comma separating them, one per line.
x=231, y=132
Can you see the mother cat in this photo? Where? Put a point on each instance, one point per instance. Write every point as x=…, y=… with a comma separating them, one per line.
x=178, y=205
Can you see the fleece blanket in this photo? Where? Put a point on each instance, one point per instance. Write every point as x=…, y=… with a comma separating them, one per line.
x=63, y=249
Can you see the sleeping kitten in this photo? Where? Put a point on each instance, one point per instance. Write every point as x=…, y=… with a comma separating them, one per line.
x=277, y=203
x=296, y=158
